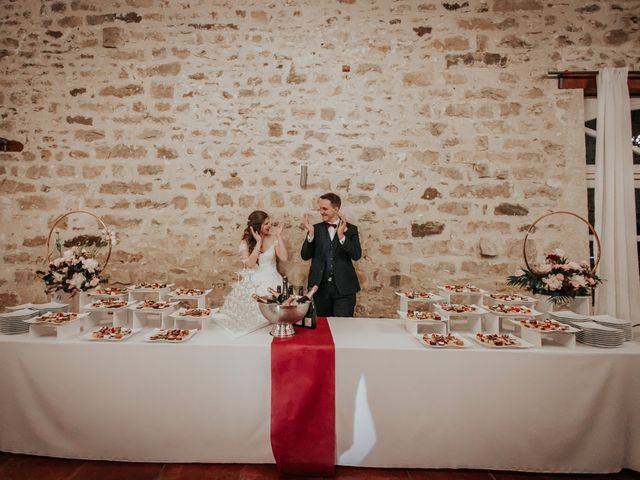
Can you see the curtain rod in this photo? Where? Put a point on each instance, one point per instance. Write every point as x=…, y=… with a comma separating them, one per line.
x=568, y=73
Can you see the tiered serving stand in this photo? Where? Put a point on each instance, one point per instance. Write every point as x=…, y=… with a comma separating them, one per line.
x=100, y=316
x=201, y=300
x=67, y=329
x=470, y=322
x=426, y=304
x=187, y=322
x=150, y=317
x=503, y=322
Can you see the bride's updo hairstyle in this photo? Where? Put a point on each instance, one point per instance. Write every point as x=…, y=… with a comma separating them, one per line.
x=255, y=220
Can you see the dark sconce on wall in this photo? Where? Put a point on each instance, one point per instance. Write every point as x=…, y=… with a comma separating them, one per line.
x=303, y=176
x=10, y=145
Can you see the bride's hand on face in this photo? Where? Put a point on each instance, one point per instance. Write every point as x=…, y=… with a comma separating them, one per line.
x=279, y=230
x=256, y=236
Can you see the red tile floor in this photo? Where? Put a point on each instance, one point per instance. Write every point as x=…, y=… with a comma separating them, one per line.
x=26, y=467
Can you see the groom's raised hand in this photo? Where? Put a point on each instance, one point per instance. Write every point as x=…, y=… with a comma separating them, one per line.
x=308, y=226
x=342, y=227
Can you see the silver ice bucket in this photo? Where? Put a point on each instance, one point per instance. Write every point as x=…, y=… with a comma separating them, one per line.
x=283, y=317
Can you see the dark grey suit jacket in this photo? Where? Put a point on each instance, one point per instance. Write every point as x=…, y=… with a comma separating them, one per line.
x=344, y=273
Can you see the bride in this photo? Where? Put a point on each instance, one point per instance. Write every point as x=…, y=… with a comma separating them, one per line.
x=259, y=249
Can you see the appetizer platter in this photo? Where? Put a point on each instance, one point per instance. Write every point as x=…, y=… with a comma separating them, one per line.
x=436, y=340
x=111, y=334
x=545, y=325
x=421, y=315
x=418, y=296
x=56, y=318
x=148, y=287
x=504, y=341
x=108, y=292
x=510, y=298
x=103, y=304
x=466, y=288
x=151, y=306
x=174, y=335
x=185, y=293
x=458, y=309
x=506, y=310
x=57, y=324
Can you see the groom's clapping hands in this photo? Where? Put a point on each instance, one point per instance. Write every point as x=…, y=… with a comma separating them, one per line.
x=307, y=225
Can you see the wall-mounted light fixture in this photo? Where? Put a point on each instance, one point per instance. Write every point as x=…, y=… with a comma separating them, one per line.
x=303, y=176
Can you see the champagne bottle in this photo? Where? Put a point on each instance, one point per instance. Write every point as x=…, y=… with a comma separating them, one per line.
x=307, y=296
x=280, y=297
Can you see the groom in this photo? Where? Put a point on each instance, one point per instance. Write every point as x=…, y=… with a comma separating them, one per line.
x=332, y=245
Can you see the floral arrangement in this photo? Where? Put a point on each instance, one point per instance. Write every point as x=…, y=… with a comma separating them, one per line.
x=557, y=278
x=76, y=269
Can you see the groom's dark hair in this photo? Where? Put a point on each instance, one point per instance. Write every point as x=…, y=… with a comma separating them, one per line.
x=333, y=198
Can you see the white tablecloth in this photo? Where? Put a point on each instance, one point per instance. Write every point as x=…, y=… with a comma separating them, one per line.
x=397, y=403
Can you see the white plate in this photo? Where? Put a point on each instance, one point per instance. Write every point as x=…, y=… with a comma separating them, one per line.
x=432, y=298
x=105, y=309
x=445, y=313
x=526, y=300
x=451, y=292
x=428, y=320
x=107, y=295
x=420, y=338
x=187, y=297
x=570, y=328
x=520, y=345
x=533, y=313
x=22, y=313
x=89, y=336
x=150, y=290
x=192, y=332
x=179, y=314
x=38, y=322
x=133, y=308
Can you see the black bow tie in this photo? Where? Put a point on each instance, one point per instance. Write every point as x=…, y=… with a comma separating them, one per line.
x=329, y=224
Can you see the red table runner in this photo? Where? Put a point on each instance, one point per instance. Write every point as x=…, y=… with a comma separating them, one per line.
x=303, y=413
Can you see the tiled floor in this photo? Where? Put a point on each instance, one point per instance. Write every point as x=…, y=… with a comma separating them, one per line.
x=25, y=467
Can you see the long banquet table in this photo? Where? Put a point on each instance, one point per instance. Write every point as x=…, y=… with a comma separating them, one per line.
x=398, y=404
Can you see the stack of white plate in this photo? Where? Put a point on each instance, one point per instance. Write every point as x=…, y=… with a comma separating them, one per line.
x=12, y=323
x=597, y=335
x=568, y=317
x=613, y=322
x=42, y=307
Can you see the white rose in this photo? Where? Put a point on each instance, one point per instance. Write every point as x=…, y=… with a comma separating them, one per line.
x=90, y=264
x=552, y=283
x=578, y=281
x=68, y=254
x=77, y=280
x=558, y=252
x=573, y=265
x=545, y=268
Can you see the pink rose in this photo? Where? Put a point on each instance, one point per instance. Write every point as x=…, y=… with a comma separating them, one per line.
x=560, y=276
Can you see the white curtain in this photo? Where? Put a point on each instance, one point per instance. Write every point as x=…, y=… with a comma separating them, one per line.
x=615, y=212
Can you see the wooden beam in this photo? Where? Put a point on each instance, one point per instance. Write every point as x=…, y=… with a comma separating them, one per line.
x=587, y=82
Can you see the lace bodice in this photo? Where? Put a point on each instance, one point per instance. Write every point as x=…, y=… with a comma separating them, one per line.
x=265, y=272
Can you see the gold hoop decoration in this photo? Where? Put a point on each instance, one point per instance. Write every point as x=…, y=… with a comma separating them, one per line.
x=100, y=221
x=593, y=230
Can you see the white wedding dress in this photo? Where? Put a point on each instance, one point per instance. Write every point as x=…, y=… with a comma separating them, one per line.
x=240, y=313
x=265, y=274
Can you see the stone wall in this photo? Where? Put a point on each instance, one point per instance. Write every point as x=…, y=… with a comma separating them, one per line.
x=174, y=119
